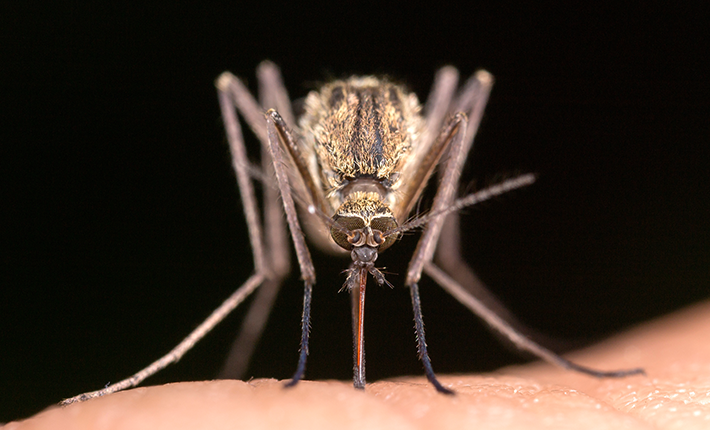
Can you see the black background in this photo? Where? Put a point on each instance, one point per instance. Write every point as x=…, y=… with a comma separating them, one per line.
x=121, y=222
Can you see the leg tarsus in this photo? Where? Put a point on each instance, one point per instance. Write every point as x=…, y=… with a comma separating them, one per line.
x=305, y=332
x=566, y=364
x=176, y=353
x=421, y=341
x=516, y=338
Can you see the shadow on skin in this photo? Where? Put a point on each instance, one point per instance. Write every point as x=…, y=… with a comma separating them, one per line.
x=676, y=394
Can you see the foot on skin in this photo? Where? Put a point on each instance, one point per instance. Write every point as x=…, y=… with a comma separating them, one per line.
x=675, y=394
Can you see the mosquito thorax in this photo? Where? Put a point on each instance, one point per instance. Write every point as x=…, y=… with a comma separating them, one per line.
x=365, y=218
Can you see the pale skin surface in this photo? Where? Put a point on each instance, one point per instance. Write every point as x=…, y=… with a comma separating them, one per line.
x=676, y=394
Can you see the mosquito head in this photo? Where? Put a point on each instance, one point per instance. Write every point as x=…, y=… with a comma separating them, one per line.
x=359, y=226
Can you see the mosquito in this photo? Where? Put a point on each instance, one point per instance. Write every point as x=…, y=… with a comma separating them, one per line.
x=350, y=173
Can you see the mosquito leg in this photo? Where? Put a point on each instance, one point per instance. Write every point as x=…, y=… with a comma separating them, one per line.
x=448, y=185
x=272, y=95
x=173, y=356
x=422, y=254
x=254, y=116
x=270, y=135
x=438, y=103
x=448, y=255
x=274, y=122
x=463, y=283
x=230, y=94
x=472, y=101
x=421, y=341
x=272, y=91
x=448, y=251
x=240, y=96
x=241, y=166
x=429, y=151
x=449, y=241
x=305, y=329
x=480, y=87
x=499, y=324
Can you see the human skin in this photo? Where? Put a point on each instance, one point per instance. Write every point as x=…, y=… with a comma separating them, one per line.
x=675, y=394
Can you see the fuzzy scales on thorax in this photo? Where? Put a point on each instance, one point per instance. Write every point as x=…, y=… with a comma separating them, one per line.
x=362, y=127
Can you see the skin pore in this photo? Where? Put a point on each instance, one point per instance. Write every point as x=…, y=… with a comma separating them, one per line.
x=676, y=394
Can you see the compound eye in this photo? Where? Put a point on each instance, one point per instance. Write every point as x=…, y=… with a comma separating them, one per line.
x=350, y=223
x=381, y=225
